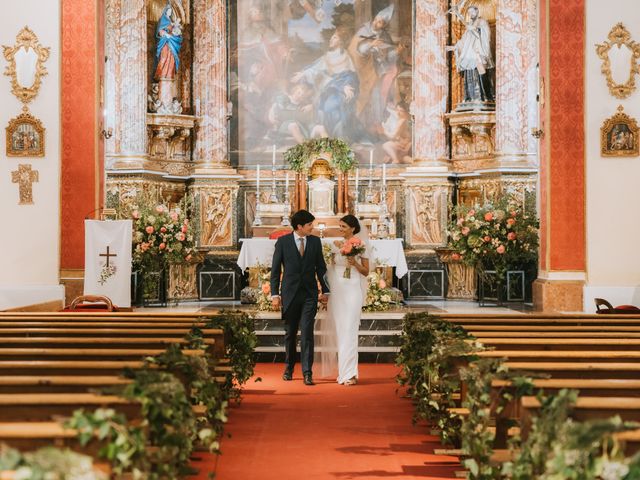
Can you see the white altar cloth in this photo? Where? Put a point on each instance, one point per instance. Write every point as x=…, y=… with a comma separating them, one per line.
x=260, y=250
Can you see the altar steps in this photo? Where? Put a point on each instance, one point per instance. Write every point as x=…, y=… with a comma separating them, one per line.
x=379, y=338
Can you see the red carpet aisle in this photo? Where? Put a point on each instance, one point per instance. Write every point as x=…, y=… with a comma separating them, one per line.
x=285, y=430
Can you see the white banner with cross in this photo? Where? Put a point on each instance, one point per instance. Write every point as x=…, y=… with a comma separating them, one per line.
x=107, y=260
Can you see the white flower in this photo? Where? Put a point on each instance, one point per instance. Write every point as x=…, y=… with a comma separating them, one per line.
x=614, y=470
x=385, y=298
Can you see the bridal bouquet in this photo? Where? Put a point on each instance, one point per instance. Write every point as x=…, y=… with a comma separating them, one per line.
x=351, y=248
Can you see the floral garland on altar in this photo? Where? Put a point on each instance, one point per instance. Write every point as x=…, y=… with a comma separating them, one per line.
x=342, y=157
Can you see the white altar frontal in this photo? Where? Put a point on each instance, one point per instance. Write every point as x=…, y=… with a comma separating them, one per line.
x=390, y=253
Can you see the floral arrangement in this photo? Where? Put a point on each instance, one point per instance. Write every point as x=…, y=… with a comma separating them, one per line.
x=106, y=272
x=379, y=297
x=351, y=248
x=161, y=234
x=264, y=286
x=497, y=235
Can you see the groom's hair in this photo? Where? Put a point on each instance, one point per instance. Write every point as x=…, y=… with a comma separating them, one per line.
x=352, y=222
x=301, y=217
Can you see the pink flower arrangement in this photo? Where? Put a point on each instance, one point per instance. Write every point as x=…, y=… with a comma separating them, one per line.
x=465, y=231
x=382, y=283
x=351, y=248
x=161, y=234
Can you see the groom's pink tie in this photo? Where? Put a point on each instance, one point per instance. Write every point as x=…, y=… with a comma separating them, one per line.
x=301, y=247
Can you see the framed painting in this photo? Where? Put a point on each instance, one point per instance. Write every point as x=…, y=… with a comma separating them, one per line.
x=25, y=136
x=619, y=136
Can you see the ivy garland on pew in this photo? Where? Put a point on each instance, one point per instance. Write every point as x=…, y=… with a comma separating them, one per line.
x=430, y=351
x=48, y=463
x=477, y=439
x=203, y=389
x=557, y=448
x=124, y=445
x=240, y=341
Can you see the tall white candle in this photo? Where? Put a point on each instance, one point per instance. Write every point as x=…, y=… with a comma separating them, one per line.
x=273, y=156
x=371, y=159
x=258, y=181
x=384, y=174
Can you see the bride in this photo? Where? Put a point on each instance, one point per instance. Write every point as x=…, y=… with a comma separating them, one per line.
x=338, y=329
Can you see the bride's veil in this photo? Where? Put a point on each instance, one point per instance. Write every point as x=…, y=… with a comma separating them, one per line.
x=326, y=338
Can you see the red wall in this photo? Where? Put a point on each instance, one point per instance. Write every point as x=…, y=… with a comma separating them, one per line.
x=82, y=171
x=562, y=162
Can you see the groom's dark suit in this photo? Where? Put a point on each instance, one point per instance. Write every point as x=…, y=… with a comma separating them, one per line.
x=299, y=293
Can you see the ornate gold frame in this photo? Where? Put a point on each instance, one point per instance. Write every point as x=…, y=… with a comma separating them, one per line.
x=26, y=39
x=25, y=118
x=628, y=144
x=619, y=36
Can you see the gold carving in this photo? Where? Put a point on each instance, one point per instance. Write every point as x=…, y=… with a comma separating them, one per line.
x=619, y=136
x=25, y=136
x=462, y=278
x=428, y=215
x=216, y=217
x=26, y=65
x=25, y=177
x=621, y=38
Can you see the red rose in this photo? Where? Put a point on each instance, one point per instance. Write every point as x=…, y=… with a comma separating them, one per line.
x=511, y=235
x=455, y=256
x=488, y=216
x=162, y=246
x=149, y=229
x=511, y=221
x=486, y=238
x=163, y=229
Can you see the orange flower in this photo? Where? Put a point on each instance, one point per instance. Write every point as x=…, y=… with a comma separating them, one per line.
x=346, y=249
x=456, y=256
x=355, y=241
x=500, y=249
x=149, y=229
x=511, y=235
x=488, y=216
x=266, y=288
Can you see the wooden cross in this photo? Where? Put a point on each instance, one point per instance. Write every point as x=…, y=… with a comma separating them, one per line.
x=108, y=255
x=25, y=177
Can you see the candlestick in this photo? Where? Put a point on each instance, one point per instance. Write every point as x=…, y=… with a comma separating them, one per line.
x=384, y=174
x=257, y=221
x=258, y=180
x=273, y=156
x=286, y=182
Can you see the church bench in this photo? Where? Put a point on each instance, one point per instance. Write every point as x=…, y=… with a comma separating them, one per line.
x=157, y=345
x=576, y=333
x=592, y=344
x=552, y=329
x=563, y=355
x=85, y=353
x=52, y=406
x=79, y=367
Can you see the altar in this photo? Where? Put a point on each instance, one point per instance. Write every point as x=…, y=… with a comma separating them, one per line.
x=255, y=251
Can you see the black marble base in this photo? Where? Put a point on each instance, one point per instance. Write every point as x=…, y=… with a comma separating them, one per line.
x=363, y=357
x=219, y=278
x=427, y=279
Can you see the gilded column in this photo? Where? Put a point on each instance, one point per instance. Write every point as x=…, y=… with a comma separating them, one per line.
x=210, y=85
x=430, y=84
x=516, y=82
x=130, y=80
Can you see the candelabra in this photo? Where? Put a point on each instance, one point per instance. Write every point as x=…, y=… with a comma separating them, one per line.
x=273, y=198
x=287, y=208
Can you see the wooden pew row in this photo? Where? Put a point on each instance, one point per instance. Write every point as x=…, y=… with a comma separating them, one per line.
x=589, y=344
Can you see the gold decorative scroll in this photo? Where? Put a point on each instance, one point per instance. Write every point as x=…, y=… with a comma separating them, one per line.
x=619, y=36
x=26, y=40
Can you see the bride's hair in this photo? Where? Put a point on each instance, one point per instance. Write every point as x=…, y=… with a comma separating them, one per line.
x=352, y=221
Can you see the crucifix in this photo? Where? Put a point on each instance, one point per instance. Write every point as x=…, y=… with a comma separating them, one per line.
x=25, y=177
x=108, y=255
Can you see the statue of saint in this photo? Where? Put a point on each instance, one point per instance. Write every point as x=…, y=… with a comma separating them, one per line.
x=169, y=36
x=473, y=58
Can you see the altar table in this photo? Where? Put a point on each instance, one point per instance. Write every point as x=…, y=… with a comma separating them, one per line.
x=384, y=252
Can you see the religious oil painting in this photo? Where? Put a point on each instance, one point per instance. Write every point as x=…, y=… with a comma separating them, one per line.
x=619, y=136
x=304, y=69
x=25, y=137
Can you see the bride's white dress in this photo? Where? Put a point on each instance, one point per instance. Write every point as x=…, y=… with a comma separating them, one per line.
x=338, y=328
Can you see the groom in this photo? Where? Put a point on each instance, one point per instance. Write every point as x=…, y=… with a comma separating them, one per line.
x=300, y=253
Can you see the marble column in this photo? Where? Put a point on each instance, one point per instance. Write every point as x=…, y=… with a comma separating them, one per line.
x=210, y=86
x=430, y=84
x=128, y=76
x=516, y=82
